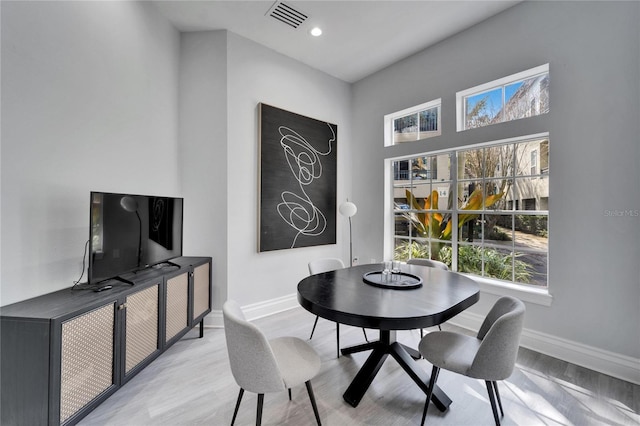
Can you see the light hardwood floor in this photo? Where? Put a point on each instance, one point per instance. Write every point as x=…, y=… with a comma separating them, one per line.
x=191, y=384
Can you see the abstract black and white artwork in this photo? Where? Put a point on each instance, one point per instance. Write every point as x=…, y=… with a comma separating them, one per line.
x=297, y=199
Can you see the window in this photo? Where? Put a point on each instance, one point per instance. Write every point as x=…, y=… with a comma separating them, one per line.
x=544, y=157
x=534, y=162
x=481, y=210
x=412, y=124
x=521, y=95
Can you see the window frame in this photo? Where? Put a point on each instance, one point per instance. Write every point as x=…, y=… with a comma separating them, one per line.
x=489, y=86
x=389, y=120
x=528, y=292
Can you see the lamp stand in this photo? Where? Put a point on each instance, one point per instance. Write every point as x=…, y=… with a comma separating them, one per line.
x=350, y=244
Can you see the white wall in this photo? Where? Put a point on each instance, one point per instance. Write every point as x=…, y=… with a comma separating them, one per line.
x=89, y=102
x=257, y=74
x=203, y=150
x=594, y=56
x=223, y=78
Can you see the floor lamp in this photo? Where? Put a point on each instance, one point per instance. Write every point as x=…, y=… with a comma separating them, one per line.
x=349, y=209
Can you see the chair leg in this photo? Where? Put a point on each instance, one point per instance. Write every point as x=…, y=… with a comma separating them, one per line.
x=312, y=398
x=432, y=383
x=314, y=327
x=259, y=412
x=235, y=412
x=422, y=331
x=495, y=386
x=365, y=335
x=289, y=394
x=338, y=339
x=492, y=399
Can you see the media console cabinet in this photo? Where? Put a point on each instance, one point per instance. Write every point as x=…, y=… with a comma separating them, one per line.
x=64, y=353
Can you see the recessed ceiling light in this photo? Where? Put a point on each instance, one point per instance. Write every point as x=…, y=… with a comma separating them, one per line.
x=316, y=32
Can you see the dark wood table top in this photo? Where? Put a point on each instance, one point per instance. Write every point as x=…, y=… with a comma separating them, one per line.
x=343, y=296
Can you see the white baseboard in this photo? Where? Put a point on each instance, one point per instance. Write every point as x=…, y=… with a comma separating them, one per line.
x=270, y=307
x=214, y=319
x=256, y=310
x=606, y=362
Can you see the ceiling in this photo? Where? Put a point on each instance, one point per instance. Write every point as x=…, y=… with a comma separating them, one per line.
x=359, y=37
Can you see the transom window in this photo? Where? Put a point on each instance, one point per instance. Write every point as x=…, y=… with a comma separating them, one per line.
x=412, y=124
x=481, y=210
x=517, y=96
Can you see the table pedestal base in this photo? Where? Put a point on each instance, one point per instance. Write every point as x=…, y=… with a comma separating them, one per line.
x=386, y=346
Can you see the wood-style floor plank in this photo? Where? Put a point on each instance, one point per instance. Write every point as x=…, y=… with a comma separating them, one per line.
x=191, y=384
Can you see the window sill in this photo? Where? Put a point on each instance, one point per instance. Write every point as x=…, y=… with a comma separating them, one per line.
x=501, y=288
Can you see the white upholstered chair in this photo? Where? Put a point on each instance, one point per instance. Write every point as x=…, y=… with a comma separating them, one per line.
x=261, y=366
x=325, y=264
x=319, y=266
x=428, y=262
x=491, y=356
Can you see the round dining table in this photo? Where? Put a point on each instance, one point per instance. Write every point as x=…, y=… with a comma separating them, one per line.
x=414, y=298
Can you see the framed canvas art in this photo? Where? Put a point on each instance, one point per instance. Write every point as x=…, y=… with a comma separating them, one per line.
x=297, y=180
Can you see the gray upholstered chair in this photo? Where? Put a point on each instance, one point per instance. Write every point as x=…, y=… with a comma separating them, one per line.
x=490, y=356
x=431, y=264
x=319, y=266
x=262, y=366
x=428, y=262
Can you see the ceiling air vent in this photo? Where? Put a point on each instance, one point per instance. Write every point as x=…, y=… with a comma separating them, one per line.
x=287, y=14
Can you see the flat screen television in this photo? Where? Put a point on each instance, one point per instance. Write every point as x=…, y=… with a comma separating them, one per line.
x=132, y=232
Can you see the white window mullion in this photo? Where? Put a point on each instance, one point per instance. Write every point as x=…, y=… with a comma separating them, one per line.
x=454, y=211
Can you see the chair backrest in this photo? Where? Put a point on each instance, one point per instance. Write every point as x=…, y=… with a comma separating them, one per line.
x=500, y=334
x=428, y=262
x=323, y=265
x=253, y=363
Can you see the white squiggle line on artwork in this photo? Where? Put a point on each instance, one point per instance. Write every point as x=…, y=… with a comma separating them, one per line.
x=298, y=210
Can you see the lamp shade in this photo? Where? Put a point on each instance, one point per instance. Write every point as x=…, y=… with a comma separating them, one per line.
x=348, y=209
x=129, y=204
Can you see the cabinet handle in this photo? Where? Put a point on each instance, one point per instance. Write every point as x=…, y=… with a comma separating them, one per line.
x=123, y=306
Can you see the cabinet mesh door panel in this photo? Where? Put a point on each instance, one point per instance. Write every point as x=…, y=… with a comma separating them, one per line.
x=142, y=326
x=177, y=307
x=86, y=360
x=200, y=290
